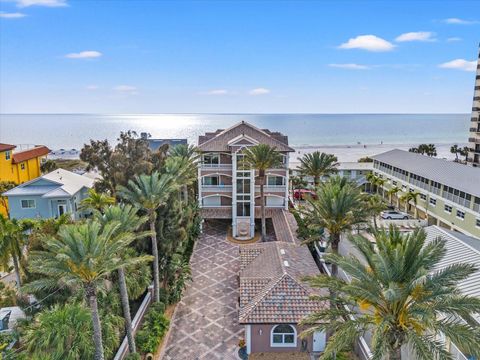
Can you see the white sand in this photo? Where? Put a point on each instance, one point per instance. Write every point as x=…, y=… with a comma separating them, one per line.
x=351, y=153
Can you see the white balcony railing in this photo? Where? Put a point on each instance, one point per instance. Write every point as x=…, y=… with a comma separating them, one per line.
x=217, y=188
x=272, y=188
x=216, y=166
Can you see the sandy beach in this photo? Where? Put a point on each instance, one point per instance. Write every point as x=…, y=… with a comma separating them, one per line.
x=351, y=153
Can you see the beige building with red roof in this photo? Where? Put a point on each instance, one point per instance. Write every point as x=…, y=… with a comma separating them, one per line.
x=226, y=191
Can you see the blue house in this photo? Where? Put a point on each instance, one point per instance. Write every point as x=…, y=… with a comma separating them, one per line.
x=49, y=196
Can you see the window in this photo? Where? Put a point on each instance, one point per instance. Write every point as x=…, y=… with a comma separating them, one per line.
x=28, y=204
x=211, y=159
x=404, y=188
x=243, y=209
x=283, y=336
x=7, y=155
x=433, y=201
x=210, y=180
x=394, y=183
x=22, y=166
x=423, y=197
x=243, y=186
x=448, y=209
x=275, y=180
x=477, y=223
x=460, y=214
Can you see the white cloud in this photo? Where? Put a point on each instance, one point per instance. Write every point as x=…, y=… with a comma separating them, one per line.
x=457, y=21
x=416, y=36
x=259, y=91
x=454, y=39
x=15, y=15
x=47, y=3
x=460, y=64
x=216, y=92
x=91, y=87
x=126, y=89
x=350, y=66
x=89, y=54
x=369, y=43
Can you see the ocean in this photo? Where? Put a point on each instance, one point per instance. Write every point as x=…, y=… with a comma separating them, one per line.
x=305, y=131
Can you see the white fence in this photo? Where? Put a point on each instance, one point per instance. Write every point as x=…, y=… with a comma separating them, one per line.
x=137, y=320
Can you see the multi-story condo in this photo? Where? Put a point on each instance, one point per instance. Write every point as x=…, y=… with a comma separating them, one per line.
x=449, y=192
x=229, y=191
x=474, y=140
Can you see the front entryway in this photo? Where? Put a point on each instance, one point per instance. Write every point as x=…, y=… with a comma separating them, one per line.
x=319, y=341
x=62, y=209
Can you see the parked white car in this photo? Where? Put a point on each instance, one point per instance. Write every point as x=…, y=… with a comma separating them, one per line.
x=393, y=215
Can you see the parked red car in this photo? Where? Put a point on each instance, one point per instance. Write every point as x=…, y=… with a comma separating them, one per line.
x=302, y=194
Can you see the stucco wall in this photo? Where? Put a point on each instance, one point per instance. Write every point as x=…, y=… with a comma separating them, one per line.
x=261, y=342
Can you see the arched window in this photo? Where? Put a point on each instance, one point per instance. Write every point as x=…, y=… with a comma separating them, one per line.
x=283, y=336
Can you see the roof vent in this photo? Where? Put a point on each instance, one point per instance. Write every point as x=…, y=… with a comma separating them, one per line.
x=282, y=251
x=285, y=262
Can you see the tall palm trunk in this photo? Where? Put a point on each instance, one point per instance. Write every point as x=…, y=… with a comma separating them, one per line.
x=126, y=310
x=316, y=180
x=91, y=293
x=156, y=274
x=17, y=273
x=334, y=242
x=185, y=193
x=374, y=222
x=398, y=201
x=396, y=353
x=262, y=205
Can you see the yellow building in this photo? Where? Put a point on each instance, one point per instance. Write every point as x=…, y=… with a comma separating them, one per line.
x=20, y=166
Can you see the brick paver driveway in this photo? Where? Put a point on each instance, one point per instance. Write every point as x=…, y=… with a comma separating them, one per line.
x=205, y=325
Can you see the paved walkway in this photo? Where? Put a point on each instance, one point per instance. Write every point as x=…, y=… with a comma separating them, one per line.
x=205, y=325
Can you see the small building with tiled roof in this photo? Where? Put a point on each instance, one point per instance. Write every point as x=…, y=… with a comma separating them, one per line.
x=19, y=166
x=274, y=297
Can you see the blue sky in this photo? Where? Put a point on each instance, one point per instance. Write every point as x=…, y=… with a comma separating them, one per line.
x=140, y=56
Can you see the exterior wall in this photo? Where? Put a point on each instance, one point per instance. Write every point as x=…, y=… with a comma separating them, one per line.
x=260, y=339
x=14, y=172
x=474, y=139
x=468, y=225
x=42, y=207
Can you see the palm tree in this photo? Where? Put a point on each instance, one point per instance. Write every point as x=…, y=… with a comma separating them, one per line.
x=337, y=208
x=372, y=179
x=128, y=222
x=12, y=241
x=96, y=201
x=149, y=192
x=183, y=170
x=380, y=182
x=410, y=196
x=81, y=255
x=317, y=165
x=393, y=191
x=454, y=149
x=402, y=296
x=374, y=205
x=261, y=158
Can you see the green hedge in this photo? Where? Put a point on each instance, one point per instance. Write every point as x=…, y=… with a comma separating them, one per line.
x=153, y=330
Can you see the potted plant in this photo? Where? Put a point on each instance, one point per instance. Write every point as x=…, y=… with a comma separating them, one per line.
x=242, y=351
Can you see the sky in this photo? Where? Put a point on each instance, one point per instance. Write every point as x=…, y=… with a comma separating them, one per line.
x=137, y=56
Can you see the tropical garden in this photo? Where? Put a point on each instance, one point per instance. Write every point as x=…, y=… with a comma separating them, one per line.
x=392, y=291
x=80, y=283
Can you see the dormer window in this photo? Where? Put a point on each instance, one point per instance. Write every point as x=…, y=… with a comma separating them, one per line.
x=8, y=155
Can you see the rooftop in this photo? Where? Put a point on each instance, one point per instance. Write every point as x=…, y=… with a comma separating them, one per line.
x=5, y=147
x=272, y=289
x=220, y=139
x=32, y=153
x=462, y=177
x=60, y=183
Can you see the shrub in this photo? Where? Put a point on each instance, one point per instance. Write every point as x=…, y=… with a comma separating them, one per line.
x=153, y=329
x=133, y=356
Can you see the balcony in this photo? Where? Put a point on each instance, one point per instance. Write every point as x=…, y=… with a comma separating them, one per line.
x=474, y=140
x=474, y=119
x=475, y=130
x=272, y=188
x=216, y=188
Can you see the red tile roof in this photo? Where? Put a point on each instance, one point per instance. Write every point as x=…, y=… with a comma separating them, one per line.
x=30, y=154
x=5, y=147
